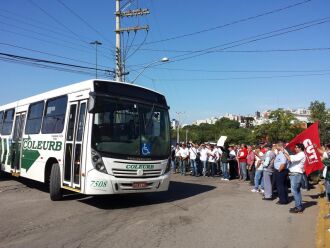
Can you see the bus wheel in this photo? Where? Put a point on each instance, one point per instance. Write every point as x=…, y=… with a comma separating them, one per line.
x=55, y=183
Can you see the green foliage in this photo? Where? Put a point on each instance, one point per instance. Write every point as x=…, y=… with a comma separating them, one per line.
x=208, y=132
x=282, y=126
x=320, y=113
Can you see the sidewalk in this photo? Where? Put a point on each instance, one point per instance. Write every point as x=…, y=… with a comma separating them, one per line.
x=323, y=225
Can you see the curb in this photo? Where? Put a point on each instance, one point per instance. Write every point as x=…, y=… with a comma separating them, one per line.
x=323, y=225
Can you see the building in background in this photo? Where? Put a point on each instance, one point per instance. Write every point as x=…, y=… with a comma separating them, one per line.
x=259, y=118
x=175, y=123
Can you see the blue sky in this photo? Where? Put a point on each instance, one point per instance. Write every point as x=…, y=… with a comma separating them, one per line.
x=239, y=80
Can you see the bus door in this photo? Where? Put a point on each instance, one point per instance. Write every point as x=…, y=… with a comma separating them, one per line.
x=73, y=144
x=16, y=145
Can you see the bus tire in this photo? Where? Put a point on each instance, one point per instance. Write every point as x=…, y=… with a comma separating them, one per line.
x=55, y=190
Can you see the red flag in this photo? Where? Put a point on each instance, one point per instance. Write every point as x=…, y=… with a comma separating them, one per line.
x=309, y=137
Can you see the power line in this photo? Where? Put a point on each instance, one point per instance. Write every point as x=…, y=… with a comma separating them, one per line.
x=50, y=54
x=35, y=60
x=247, y=40
x=49, y=36
x=43, y=34
x=231, y=23
x=52, y=30
x=83, y=20
x=39, y=27
x=255, y=38
x=138, y=48
x=245, y=51
x=246, y=78
x=53, y=42
x=30, y=20
x=237, y=71
x=56, y=20
x=33, y=64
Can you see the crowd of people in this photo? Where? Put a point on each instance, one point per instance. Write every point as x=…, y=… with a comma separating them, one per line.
x=266, y=167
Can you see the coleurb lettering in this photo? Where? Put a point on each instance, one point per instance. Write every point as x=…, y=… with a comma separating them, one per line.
x=139, y=166
x=42, y=145
x=39, y=145
x=58, y=146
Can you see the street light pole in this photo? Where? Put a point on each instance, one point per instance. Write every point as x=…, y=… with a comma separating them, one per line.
x=96, y=43
x=163, y=60
x=178, y=128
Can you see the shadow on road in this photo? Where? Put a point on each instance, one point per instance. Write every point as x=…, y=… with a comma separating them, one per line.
x=309, y=204
x=177, y=191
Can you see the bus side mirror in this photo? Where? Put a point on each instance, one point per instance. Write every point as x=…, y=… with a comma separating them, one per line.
x=91, y=102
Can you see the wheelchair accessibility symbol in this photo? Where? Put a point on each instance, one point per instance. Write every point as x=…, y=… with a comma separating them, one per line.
x=146, y=149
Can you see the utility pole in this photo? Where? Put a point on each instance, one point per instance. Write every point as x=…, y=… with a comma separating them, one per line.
x=96, y=43
x=178, y=128
x=120, y=71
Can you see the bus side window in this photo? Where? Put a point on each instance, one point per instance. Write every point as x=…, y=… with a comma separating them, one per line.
x=1, y=119
x=8, y=122
x=54, y=115
x=34, y=118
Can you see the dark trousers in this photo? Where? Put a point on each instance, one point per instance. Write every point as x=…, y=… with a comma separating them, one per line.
x=211, y=167
x=233, y=169
x=281, y=185
x=252, y=173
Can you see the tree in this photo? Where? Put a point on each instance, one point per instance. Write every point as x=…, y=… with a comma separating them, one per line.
x=225, y=123
x=283, y=126
x=320, y=113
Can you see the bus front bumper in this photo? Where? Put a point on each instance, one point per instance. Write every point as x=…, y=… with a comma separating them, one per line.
x=98, y=183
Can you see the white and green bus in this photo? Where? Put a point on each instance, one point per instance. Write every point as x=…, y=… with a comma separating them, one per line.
x=94, y=137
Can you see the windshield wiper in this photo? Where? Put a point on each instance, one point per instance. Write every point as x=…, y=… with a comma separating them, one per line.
x=151, y=116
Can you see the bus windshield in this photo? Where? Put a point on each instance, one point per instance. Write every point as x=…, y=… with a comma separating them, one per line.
x=124, y=128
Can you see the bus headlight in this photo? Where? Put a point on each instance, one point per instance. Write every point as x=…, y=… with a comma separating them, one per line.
x=98, y=162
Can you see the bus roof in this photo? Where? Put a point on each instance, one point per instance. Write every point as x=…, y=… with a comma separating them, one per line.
x=75, y=87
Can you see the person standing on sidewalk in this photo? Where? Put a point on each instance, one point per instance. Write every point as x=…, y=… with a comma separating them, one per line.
x=184, y=159
x=193, y=156
x=250, y=164
x=233, y=173
x=325, y=153
x=177, y=157
x=203, y=158
x=258, y=178
x=173, y=158
x=296, y=168
x=212, y=156
x=268, y=166
x=281, y=174
x=225, y=164
x=242, y=155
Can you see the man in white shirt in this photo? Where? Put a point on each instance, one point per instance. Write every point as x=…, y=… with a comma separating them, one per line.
x=193, y=156
x=177, y=157
x=218, y=160
x=203, y=158
x=296, y=168
x=212, y=154
x=184, y=159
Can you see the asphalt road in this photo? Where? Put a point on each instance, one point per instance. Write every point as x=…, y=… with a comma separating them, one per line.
x=195, y=212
